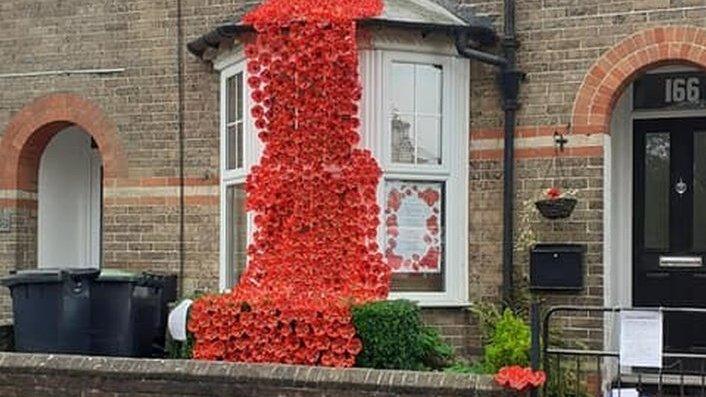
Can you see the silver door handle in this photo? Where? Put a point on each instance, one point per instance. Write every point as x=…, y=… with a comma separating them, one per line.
x=680, y=261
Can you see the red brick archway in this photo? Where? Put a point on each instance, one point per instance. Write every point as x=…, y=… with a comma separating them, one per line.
x=31, y=129
x=616, y=68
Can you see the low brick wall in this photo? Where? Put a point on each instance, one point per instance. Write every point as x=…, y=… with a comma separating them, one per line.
x=30, y=375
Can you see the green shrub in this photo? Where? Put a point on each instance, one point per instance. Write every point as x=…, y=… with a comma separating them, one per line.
x=509, y=343
x=394, y=337
x=390, y=332
x=437, y=353
x=465, y=367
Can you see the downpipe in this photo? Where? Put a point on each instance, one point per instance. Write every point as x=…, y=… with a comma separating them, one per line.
x=509, y=80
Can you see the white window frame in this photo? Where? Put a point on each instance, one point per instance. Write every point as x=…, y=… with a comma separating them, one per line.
x=375, y=133
x=252, y=147
x=375, y=108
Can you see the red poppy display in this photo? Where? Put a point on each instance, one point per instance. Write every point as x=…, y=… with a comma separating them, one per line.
x=314, y=251
x=520, y=378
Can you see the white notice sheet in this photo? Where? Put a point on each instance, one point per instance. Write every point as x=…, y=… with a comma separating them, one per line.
x=641, y=338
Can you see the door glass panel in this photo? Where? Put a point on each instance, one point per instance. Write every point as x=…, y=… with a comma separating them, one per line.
x=657, y=190
x=699, y=234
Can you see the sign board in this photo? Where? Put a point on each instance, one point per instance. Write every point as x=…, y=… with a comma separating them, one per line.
x=670, y=91
x=641, y=338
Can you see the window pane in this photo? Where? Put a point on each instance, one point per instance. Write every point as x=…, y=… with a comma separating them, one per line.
x=657, y=190
x=428, y=87
x=402, y=93
x=237, y=232
x=416, y=123
x=239, y=97
x=700, y=191
x=234, y=121
x=428, y=140
x=403, y=139
x=234, y=138
x=415, y=235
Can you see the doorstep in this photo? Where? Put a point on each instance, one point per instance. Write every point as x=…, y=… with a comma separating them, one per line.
x=57, y=375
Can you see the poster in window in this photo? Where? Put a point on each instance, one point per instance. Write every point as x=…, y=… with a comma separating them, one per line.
x=414, y=226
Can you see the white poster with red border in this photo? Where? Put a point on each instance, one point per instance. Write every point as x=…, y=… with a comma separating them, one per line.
x=413, y=225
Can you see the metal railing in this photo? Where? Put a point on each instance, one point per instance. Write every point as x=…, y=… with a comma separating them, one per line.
x=584, y=371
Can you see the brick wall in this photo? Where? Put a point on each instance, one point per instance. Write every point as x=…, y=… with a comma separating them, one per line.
x=35, y=375
x=559, y=42
x=142, y=209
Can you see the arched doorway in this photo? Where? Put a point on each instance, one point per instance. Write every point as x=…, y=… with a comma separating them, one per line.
x=653, y=142
x=69, y=206
x=53, y=151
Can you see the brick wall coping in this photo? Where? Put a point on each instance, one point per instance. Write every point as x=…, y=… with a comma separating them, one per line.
x=286, y=376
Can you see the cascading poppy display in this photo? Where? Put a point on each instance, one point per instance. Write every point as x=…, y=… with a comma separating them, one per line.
x=315, y=251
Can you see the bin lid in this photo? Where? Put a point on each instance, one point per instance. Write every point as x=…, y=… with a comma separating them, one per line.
x=37, y=276
x=119, y=275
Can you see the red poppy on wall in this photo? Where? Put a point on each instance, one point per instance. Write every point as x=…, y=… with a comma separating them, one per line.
x=315, y=251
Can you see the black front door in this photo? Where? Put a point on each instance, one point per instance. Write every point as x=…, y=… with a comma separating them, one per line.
x=669, y=220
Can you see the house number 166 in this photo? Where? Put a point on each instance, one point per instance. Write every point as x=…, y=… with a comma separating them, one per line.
x=682, y=89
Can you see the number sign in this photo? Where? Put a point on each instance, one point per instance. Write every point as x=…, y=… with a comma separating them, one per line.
x=671, y=91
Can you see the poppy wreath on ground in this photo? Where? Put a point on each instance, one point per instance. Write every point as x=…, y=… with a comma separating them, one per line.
x=519, y=378
x=315, y=251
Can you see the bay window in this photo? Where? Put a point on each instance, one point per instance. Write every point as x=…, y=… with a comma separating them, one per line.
x=415, y=114
x=239, y=151
x=415, y=121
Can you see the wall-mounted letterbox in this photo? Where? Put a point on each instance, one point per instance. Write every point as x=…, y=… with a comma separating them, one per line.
x=557, y=267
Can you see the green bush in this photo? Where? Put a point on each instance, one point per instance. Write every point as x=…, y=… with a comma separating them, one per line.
x=390, y=332
x=509, y=343
x=437, y=353
x=465, y=367
x=394, y=337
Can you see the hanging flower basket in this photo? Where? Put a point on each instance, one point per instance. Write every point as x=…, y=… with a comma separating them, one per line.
x=556, y=209
x=557, y=205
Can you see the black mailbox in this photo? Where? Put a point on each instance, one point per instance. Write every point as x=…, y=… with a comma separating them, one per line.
x=557, y=267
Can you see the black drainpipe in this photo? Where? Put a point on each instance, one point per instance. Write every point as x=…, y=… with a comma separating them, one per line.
x=180, y=78
x=510, y=78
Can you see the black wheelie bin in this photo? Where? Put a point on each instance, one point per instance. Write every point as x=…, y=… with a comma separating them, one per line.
x=51, y=309
x=108, y=313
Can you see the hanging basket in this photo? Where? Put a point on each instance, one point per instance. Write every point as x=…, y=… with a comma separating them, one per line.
x=559, y=208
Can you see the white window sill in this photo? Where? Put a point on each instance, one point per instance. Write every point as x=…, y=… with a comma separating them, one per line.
x=424, y=302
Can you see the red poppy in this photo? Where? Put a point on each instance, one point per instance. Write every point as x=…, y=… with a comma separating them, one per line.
x=553, y=193
x=313, y=195
x=520, y=378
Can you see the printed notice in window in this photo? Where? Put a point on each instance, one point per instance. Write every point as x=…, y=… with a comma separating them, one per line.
x=413, y=223
x=641, y=338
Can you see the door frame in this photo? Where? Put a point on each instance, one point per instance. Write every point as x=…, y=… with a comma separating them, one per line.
x=618, y=199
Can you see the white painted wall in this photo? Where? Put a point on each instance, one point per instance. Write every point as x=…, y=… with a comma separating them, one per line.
x=69, y=202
